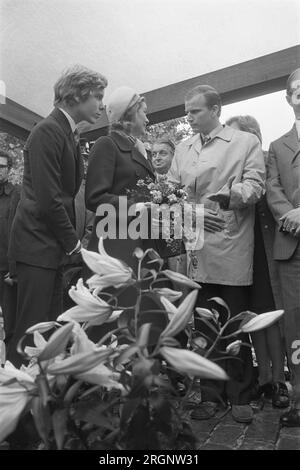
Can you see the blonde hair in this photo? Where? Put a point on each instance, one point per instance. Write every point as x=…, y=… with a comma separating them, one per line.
x=78, y=82
x=247, y=124
x=125, y=122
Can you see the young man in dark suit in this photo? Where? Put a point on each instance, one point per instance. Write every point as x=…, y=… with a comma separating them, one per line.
x=43, y=230
x=283, y=195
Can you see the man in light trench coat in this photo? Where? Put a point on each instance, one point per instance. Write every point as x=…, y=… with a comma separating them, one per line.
x=223, y=169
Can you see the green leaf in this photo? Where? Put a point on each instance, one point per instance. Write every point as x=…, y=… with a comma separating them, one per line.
x=127, y=354
x=42, y=418
x=59, y=421
x=223, y=304
x=128, y=409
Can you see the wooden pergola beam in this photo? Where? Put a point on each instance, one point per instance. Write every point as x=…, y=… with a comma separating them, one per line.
x=239, y=82
x=16, y=119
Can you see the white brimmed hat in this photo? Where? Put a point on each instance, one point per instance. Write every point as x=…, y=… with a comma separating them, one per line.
x=119, y=101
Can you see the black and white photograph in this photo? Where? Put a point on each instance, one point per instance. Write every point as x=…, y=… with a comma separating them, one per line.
x=149, y=228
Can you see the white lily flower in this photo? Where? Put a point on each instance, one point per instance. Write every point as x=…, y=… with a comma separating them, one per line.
x=102, y=375
x=80, y=315
x=85, y=299
x=14, y=396
x=39, y=342
x=90, y=307
x=9, y=371
x=81, y=342
x=101, y=282
x=13, y=400
x=101, y=263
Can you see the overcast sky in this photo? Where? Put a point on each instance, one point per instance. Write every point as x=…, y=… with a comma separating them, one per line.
x=145, y=44
x=272, y=112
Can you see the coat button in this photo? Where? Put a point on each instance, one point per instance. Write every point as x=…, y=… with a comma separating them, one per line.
x=266, y=226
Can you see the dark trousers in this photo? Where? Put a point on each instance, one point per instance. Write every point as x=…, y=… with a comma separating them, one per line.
x=8, y=303
x=39, y=299
x=289, y=276
x=237, y=390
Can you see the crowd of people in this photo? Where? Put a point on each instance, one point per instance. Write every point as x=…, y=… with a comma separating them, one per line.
x=251, y=252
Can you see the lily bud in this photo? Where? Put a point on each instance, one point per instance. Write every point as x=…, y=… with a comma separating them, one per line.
x=180, y=279
x=205, y=313
x=192, y=364
x=101, y=263
x=184, y=312
x=264, y=320
x=57, y=342
x=79, y=363
x=42, y=327
x=234, y=348
x=171, y=295
x=200, y=342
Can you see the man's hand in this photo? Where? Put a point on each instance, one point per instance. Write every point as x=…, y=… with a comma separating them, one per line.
x=9, y=280
x=212, y=221
x=291, y=222
x=222, y=197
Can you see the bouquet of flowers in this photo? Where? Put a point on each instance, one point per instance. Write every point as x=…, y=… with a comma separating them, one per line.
x=170, y=197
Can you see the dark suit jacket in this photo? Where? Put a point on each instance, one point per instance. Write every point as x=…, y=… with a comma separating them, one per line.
x=115, y=165
x=9, y=199
x=43, y=228
x=283, y=188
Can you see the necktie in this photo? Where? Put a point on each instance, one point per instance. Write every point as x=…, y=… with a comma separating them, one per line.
x=76, y=136
x=205, y=139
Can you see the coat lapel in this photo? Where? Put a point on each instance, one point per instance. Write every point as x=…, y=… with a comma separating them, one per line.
x=290, y=140
x=62, y=120
x=126, y=145
x=139, y=158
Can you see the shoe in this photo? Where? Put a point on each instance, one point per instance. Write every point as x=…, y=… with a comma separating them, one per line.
x=205, y=410
x=280, y=395
x=265, y=391
x=291, y=418
x=242, y=413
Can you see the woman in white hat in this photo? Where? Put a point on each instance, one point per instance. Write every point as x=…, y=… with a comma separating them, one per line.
x=116, y=163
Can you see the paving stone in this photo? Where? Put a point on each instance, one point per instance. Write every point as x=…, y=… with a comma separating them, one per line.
x=215, y=447
x=226, y=435
x=201, y=437
x=228, y=420
x=288, y=443
x=290, y=432
x=262, y=430
x=256, y=444
x=204, y=426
